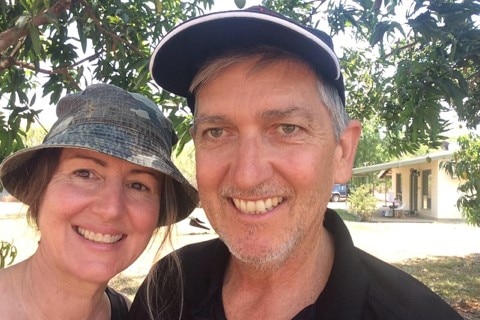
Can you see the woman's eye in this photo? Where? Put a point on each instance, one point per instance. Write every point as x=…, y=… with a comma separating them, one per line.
x=138, y=186
x=83, y=173
x=288, y=128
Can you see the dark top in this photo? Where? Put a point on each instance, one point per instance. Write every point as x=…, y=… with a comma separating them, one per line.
x=360, y=286
x=118, y=304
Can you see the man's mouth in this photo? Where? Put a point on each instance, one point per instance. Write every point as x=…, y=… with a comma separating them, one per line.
x=257, y=206
x=99, y=237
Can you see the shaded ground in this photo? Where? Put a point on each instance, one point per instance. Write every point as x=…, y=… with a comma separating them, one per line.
x=456, y=279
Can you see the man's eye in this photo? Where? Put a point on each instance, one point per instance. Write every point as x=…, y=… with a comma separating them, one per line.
x=215, y=132
x=288, y=128
x=82, y=173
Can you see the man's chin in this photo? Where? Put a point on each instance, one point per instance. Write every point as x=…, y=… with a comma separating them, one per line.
x=262, y=259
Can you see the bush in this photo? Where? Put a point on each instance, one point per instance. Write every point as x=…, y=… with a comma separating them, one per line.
x=363, y=203
x=345, y=215
x=8, y=252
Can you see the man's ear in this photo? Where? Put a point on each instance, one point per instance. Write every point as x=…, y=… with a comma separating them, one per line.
x=345, y=151
x=191, y=130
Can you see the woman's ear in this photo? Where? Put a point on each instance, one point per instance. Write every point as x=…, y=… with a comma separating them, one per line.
x=346, y=149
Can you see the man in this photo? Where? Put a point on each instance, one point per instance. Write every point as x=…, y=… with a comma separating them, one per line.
x=272, y=137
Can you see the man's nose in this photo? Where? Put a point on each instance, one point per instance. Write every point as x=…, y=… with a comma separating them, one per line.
x=251, y=165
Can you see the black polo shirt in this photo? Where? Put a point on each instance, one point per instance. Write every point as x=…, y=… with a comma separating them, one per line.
x=360, y=286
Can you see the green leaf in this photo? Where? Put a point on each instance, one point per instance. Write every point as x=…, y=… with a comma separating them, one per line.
x=35, y=38
x=240, y=3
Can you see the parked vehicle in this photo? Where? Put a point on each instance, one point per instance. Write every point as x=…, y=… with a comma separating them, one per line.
x=339, y=193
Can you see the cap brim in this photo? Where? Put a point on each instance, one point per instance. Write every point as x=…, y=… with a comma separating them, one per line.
x=179, y=55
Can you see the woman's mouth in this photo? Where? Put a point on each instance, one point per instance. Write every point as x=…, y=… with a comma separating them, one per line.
x=98, y=237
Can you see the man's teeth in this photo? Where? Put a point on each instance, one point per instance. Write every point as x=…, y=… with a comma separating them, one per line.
x=98, y=237
x=257, y=207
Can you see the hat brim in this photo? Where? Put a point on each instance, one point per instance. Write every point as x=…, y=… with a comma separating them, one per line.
x=180, y=54
x=111, y=141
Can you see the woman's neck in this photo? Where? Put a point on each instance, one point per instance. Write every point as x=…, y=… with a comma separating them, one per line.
x=49, y=294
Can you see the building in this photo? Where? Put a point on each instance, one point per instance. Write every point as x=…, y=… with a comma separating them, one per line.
x=421, y=185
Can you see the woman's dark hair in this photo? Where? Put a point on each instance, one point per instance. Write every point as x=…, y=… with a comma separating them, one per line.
x=39, y=170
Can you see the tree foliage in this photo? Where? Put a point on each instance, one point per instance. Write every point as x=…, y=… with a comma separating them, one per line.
x=465, y=165
x=425, y=65
x=64, y=45
x=404, y=65
x=8, y=253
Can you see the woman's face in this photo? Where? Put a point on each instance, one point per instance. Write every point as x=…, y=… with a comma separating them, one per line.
x=97, y=215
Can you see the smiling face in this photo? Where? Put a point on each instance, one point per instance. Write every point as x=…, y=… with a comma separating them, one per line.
x=266, y=158
x=97, y=215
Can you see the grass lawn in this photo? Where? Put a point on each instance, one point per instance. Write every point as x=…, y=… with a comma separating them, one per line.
x=455, y=279
x=345, y=215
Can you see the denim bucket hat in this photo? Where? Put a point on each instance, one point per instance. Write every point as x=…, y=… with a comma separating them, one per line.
x=110, y=120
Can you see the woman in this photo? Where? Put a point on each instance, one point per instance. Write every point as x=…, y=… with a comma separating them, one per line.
x=97, y=188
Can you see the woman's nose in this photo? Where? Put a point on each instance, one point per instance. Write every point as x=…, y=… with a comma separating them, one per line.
x=109, y=200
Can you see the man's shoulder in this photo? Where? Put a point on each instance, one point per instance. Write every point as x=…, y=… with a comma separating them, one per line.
x=202, y=257
x=394, y=294
x=198, y=250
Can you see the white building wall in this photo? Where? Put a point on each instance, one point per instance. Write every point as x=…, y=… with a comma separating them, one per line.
x=447, y=196
x=444, y=192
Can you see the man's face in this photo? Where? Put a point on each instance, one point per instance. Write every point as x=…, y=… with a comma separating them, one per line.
x=266, y=159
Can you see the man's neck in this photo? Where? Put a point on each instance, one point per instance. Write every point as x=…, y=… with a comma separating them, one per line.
x=280, y=292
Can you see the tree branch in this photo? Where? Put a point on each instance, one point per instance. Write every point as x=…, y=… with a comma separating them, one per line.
x=98, y=24
x=13, y=35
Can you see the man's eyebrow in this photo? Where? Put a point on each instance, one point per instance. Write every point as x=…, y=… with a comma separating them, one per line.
x=266, y=115
x=284, y=113
x=208, y=119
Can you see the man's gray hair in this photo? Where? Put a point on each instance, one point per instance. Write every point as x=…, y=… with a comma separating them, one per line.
x=268, y=55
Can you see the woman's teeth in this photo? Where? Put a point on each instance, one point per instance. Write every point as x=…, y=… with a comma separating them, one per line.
x=98, y=237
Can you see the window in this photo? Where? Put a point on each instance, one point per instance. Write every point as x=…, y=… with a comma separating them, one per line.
x=427, y=189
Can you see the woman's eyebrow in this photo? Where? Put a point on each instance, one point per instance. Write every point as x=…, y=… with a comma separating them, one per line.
x=103, y=163
x=86, y=157
x=153, y=173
